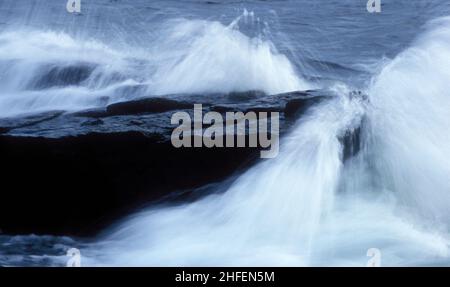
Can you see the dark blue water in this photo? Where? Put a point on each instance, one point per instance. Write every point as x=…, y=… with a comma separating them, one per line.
x=342, y=32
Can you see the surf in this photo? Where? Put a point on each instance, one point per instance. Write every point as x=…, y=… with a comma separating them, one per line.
x=51, y=70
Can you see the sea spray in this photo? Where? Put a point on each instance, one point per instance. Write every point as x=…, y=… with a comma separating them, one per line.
x=270, y=215
x=309, y=208
x=47, y=70
x=409, y=119
x=211, y=57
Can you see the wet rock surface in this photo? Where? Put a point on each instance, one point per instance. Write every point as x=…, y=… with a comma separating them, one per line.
x=74, y=173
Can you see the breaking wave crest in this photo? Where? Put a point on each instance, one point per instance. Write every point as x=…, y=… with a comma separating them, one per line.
x=46, y=70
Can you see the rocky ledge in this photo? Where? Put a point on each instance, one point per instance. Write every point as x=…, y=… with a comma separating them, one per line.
x=73, y=173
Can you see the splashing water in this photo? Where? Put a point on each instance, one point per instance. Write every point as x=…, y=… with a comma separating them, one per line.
x=212, y=57
x=395, y=193
x=268, y=216
x=411, y=100
x=307, y=207
x=44, y=70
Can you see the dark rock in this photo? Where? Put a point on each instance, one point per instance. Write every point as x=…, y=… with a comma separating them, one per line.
x=298, y=106
x=76, y=185
x=95, y=122
x=94, y=113
x=244, y=96
x=63, y=75
x=148, y=105
x=74, y=173
x=351, y=141
x=8, y=124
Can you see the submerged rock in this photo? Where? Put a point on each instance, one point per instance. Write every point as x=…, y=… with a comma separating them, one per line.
x=60, y=76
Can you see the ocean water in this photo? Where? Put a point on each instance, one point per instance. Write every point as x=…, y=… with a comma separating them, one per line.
x=307, y=207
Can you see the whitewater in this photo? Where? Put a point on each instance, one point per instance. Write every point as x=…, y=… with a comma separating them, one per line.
x=309, y=206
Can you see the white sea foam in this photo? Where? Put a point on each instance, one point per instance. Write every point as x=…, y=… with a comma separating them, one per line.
x=190, y=56
x=308, y=208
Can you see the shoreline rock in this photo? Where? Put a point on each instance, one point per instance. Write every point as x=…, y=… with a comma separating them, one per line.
x=75, y=173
